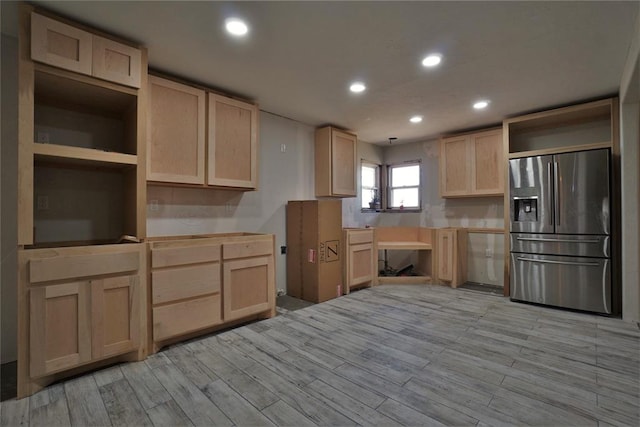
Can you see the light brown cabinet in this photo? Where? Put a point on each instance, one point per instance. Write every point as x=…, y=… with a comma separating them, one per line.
x=65, y=46
x=182, y=152
x=232, y=143
x=199, y=283
x=359, y=259
x=471, y=165
x=335, y=163
x=451, y=256
x=77, y=306
x=176, y=132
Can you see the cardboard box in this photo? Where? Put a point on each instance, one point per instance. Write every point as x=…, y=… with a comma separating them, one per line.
x=314, y=249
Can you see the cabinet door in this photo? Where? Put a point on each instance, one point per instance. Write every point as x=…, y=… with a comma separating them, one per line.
x=115, y=305
x=232, y=143
x=116, y=62
x=343, y=163
x=487, y=173
x=454, y=167
x=60, y=45
x=248, y=286
x=446, y=250
x=176, y=132
x=60, y=327
x=361, y=264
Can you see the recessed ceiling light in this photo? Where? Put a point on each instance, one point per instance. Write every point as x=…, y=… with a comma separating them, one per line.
x=432, y=60
x=415, y=119
x=480, y=105
x=236, y=27
x=357, y=87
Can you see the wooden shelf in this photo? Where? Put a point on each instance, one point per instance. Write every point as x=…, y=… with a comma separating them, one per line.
x=561, y=116
x=83, y=156
x=404, y=245
x=559, y=150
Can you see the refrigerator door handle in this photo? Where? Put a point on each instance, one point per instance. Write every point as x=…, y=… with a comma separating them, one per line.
x=550, y=189
x=548, y=261
x=539, y=239
x=556, y=196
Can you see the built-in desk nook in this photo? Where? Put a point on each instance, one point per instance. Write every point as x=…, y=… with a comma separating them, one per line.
x=420, y=239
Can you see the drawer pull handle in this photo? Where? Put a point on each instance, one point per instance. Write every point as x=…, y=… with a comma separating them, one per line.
x=548, y=261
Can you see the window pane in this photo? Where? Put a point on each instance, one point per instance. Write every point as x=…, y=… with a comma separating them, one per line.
x=367, y=196
x=406, y=197
x=402, y=176
x=368, y=176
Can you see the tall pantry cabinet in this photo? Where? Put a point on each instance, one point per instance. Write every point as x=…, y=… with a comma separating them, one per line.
x=81, y=191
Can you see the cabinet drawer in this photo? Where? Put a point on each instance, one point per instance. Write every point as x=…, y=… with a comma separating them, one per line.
x=188, y=316
x=357, y=237
x=193, y=254
x=186, y=282
x=247, y=249
x=76, y=266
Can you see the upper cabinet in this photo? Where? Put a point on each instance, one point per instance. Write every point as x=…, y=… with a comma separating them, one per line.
x=335, y=163
x=471, y=165
x=181, y=151
x=176, y=132
x=233, y=143
x=65, y=46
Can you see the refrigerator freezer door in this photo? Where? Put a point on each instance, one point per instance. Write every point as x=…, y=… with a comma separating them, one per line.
x=582, y=203
x=531, y=194
x=571, y=282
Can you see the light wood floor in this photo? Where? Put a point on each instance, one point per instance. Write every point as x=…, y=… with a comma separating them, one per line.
x=392, y=355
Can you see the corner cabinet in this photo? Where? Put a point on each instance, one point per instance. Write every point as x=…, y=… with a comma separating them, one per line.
x=200, y=138
x=471, y=165
x=335, y=163
x=175, y=132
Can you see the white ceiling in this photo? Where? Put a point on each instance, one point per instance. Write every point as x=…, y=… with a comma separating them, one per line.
x=300, y=57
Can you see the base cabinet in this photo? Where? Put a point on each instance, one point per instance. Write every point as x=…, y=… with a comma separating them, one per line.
x=360, y=259
x=199, y=283
x=451, y=256
x=77, y=306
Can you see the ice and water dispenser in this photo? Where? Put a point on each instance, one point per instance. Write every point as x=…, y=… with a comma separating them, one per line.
x=525, y=209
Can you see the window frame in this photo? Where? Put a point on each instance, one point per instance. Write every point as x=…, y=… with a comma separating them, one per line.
x=390, y=187
x=378, y=182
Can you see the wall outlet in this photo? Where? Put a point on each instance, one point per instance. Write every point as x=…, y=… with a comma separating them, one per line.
x=488, y=253
x=283, y=148
x=43, y=203
x=42, y=137
x=283, y=250
x=153, y=205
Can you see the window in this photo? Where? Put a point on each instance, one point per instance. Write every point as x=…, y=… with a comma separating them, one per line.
x=404, y=186
x=370, y=175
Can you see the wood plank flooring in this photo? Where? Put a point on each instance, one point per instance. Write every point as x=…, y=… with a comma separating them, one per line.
x=391, y=355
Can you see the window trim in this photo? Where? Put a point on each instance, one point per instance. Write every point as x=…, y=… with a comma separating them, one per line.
x=378, y=178
x=389, y=188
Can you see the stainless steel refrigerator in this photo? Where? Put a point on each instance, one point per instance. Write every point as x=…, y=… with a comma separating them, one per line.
x=560, y=230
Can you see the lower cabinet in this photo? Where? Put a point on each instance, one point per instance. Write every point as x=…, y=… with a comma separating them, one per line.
x=77, y=306
x=204, y=282
x=451, y=246
x=360, y=259
x=74, y=323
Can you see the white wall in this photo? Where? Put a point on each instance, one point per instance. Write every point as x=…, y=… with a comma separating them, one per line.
x=283, y=176
x=630, y=177
x=9, y=189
